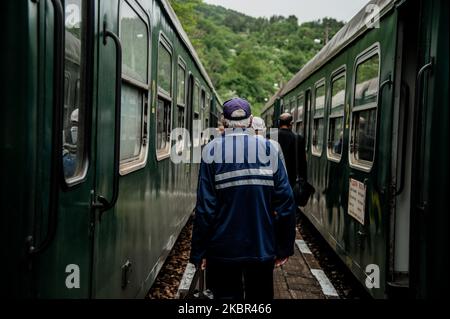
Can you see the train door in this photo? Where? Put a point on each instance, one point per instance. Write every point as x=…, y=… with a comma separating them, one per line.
x=60, y=241
x=122, y=141
x=61, y=245
x=430, y=155
x=402, y=145
x=369, y=156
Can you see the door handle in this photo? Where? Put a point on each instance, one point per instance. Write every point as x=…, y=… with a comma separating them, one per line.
x=101, y=202
x=56, y=160
x=387, y=82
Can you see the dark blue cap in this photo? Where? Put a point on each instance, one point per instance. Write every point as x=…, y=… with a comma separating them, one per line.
x=230, y=106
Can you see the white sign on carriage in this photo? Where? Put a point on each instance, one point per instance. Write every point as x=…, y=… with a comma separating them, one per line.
x=357, y=200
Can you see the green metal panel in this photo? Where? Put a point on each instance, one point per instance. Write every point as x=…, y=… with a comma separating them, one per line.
x=72, y=244
x=358, y=245
x=155, y=201
x=430, y=236
x=18, y=146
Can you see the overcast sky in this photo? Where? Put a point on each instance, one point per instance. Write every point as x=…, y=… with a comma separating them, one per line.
x=305, y=10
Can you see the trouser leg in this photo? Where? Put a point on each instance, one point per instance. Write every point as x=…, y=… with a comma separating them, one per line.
x=258, y=281
x=298, y=214
x=225, y=280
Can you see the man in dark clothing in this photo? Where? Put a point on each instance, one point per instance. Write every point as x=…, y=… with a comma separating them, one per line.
x=287, y=139
x=245, y=215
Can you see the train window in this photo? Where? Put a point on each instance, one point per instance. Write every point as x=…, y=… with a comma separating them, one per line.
x=207, y=110
x=181, y=93
x=134, y=38
x=202, y=113
x=134, y=104
x=131, y=128
x=180, y=121
x=318, y=124
x=206, y=115
x=203, y=100
x=293, y=110
x=197, y=120
x=181, y=102
x=181, y=83
x=73, y=153
x=196, y=101
x=163, y=127
x=307, y=116
x=299, y=126
x=336, y=118
x=364, y=112
x=165, y=67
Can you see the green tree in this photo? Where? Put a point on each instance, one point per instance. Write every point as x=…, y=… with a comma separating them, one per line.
x=247, y=56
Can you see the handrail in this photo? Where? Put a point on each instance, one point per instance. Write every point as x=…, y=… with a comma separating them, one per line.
x=56, y=153
x=101, y=202
x=401, y=188
x=388, y=82
x=417, y=114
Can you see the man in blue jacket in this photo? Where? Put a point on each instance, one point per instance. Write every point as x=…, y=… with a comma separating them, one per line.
x=245, y=213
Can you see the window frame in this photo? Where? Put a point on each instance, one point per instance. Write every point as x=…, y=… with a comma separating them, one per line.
x=318, y=84
x=162, y=154
x=339, y=73
x=307, y=117
x=207, y=109
x=300, y=97
x=292, y=108
x=182, y=64
x=182, y=106
x=196, y=108
x=146, y=20
x=364, y=56
x=169, y=47
x=134, y=164
x=86, y=74
x=202, y=101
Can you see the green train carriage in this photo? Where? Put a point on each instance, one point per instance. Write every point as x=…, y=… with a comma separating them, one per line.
x=373, y=107
x=91, y=202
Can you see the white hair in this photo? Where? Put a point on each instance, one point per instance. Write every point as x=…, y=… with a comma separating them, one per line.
x=245, y=123
x=258, y=123
x=237, y=124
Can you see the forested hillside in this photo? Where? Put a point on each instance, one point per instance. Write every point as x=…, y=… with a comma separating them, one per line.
x=250, y=57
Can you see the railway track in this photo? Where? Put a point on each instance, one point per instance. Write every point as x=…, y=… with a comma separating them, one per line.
x=169, y=279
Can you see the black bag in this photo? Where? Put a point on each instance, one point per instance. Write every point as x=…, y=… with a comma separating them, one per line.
x=302, y=189
x=302, y=192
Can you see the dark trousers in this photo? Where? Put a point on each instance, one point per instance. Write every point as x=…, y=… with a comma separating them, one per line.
x=239, y=281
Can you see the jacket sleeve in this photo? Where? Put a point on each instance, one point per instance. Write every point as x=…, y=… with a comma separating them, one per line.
x=204, y=212
x=285, y=208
